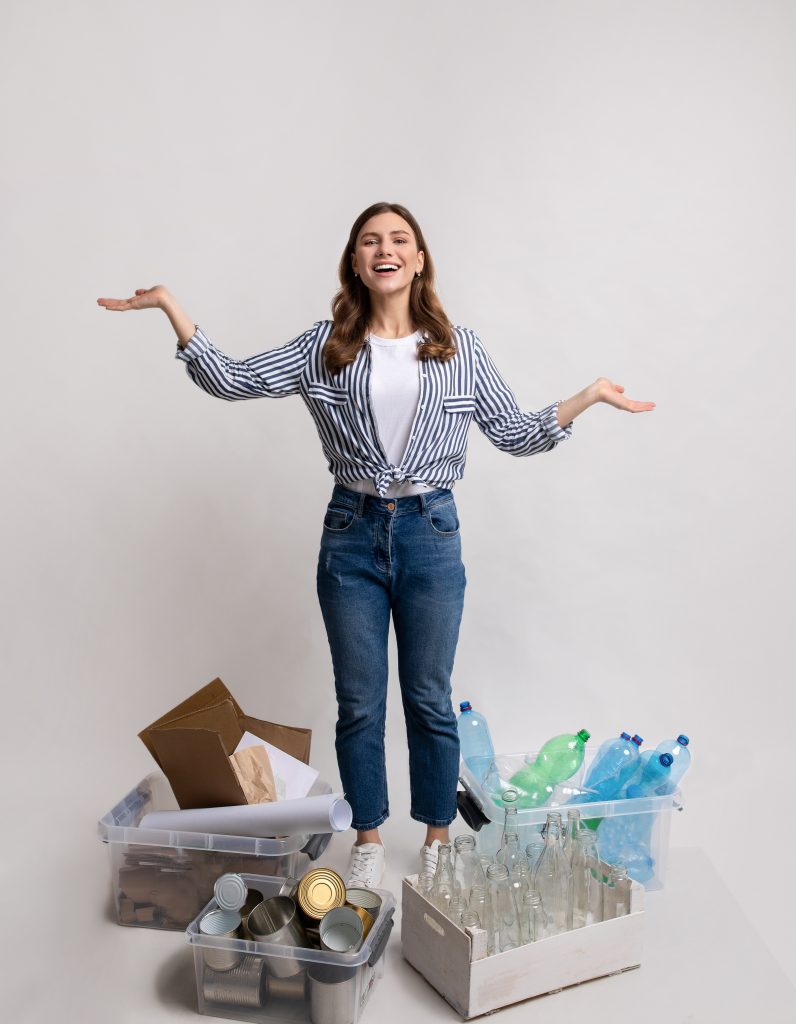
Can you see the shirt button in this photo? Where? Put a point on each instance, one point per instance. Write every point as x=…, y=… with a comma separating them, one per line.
x=391, y=505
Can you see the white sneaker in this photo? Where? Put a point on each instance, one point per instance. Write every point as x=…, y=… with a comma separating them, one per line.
x=366, y=865
x=429, y=855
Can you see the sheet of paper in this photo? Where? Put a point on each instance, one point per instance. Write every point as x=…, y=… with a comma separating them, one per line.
x=293, y=778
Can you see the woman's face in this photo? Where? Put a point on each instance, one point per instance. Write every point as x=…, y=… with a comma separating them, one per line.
x=387, y=241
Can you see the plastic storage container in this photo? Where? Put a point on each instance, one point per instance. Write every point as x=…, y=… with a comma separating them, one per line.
x=270, y=983
x=162, y=878
x=485, y=817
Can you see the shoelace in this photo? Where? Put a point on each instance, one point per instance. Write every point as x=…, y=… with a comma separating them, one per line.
x=360, y=865
x=428, y=857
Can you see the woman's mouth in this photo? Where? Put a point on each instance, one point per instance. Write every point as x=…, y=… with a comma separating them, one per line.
x=386, y=268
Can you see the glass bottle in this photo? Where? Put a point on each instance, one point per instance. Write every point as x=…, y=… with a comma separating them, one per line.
x=509, y=797
x=580, y=883
x=573, y=827
x=479, y=896
x=467, y=869
x=534, y=919
x=620, y=884
x=443, y=888
x=504, y=927
x=533, y=851
x=551, y=879
x=470, y=919
x=456, y=907
x=425, y=884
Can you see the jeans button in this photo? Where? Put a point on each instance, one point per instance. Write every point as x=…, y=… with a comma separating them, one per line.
x=391, y=505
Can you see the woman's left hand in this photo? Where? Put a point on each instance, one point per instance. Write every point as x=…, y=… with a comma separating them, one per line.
x=614, y=394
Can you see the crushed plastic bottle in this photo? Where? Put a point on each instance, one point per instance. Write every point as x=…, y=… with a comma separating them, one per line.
x=558, y=760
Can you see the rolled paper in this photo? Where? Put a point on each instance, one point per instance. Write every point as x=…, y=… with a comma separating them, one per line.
x=312, y=814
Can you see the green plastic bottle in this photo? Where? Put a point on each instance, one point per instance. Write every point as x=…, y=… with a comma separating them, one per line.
x=558, y=760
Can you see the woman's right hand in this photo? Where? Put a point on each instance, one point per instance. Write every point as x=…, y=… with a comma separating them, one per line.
x=144, y=298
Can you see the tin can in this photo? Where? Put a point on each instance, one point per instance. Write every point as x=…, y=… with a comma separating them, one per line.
x=365, y=916
x=221, y=924
x=366, y=898
x=342, y=929
x=240, y=986
x=320, y=891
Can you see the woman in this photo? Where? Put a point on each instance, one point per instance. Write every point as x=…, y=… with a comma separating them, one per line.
x=393, y=387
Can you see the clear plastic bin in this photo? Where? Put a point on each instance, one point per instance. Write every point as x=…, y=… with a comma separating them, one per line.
x=161, y=878
x=486, y=817
x=267, y=983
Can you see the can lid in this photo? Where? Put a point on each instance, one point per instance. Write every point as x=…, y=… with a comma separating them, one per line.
x=320, y=891
x=230, y=891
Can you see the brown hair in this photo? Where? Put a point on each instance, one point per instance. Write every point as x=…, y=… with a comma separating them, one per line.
x=351, y=304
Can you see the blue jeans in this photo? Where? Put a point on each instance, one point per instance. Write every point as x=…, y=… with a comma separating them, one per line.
x=399, y=555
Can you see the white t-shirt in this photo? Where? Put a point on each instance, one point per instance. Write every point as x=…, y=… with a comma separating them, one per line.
x=394, y=394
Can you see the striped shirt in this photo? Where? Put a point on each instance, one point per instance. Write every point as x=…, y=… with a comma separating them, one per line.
x=452, y=394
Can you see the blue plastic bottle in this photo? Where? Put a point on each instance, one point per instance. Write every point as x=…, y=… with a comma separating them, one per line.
x=614, y=765
x=681, y=757
x=475, y=743
x=625, y=838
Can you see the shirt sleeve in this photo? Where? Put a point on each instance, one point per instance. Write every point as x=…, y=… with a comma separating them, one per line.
x=501, y=419
x=272, y=374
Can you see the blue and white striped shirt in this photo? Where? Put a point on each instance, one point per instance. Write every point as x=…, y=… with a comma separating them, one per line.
x=452, y=393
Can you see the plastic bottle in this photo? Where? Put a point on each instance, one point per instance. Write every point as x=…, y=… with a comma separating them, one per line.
x=681, y=756
x=625, y=838
x=558, y=760
x=475, y=743
x=613, y=767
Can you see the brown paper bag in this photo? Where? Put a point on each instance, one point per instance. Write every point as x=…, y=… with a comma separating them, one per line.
x=252, y=767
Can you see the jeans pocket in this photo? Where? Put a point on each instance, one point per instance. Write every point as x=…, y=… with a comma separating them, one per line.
x=443, y=518
x=338, y=519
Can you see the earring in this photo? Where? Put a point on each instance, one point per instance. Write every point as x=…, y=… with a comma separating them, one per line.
x=417, y=273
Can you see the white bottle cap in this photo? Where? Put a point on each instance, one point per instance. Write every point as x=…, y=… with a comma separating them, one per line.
x=230, y=892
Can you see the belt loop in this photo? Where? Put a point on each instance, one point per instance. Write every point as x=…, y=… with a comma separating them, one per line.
x=361, y=508
x=422, y=497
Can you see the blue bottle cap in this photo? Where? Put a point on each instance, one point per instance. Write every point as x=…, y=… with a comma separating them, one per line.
x=638, y=740
x=624, y=736
x=465, y=705
x=682, y=740
x=666, y=760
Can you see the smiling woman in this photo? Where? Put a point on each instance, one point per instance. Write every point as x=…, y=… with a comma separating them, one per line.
x=393, y=387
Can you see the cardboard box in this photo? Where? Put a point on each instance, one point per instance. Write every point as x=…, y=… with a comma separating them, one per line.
x=192, y=743
x=453, y=960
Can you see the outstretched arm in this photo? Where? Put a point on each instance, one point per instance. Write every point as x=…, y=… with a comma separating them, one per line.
x=602, y=390
x=271, y=374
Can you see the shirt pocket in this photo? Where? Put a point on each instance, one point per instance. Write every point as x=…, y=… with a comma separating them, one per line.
x=327, y=394
x=459, y=403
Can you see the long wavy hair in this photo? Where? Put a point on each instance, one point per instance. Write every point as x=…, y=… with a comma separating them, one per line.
x=351, y=304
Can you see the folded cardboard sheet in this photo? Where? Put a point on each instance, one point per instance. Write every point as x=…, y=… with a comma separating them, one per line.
x=193, y=742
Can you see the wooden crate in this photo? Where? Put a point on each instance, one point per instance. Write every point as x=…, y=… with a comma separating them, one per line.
x=453, y=960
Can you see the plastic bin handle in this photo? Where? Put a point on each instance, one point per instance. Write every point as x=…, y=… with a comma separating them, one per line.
x=470, y=810
x=380, y=942
x=316, y=844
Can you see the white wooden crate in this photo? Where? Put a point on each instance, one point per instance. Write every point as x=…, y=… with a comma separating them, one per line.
x=453, y=960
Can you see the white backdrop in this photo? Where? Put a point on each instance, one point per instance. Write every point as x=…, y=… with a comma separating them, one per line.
x=606, y=188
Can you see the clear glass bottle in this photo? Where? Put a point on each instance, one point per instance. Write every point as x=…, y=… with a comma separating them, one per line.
x=580, y=883
x=551, y=879
x=425, y=884
x=534, y=919
x=504, y=926
x=467, y=870
x=533, y=851
x=479, y=897
x=509, y=797
x=620, y=883
x=456, y=907
x=470, y=919
x=444, y=873
x=572, y=829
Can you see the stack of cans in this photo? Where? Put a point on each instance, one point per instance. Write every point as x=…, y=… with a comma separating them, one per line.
x=315, y=911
